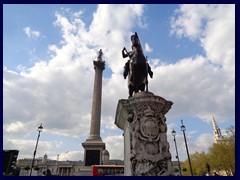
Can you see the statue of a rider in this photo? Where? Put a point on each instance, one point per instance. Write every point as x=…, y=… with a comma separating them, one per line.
x=136, y=68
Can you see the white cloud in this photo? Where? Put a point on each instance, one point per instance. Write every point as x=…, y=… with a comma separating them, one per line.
x=21, y=68
x=115, y=146
x=26, y=147
x=206, y=82
x=201, y=88
x=203, y=142
x=31, y=33
x=70, y=156
x=188, y=22
x=219, y=39
x=58, y=92
x=147, y=48
x=200, y=143
x=214, y=26
x=15, y=127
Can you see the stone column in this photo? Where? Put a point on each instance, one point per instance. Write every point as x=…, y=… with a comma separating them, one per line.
x=146, y=149
x=99, y=66
x=93, y=146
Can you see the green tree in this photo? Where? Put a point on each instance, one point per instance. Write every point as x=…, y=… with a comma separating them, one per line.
x=185, y=168
x=198, y=162
x=220, y=157
x=222, y=154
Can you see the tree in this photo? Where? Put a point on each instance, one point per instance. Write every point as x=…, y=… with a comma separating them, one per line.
x=222, y=154
x=220, y=157
x=198, y=162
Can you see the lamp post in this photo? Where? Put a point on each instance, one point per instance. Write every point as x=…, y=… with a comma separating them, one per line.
x=174, y=134
x=57, y=164
x=40, y=128
x=183, y=128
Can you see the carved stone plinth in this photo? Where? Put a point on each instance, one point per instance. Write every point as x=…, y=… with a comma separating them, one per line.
x=146, y=149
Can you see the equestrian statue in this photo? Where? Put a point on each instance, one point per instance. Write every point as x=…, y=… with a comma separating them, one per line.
x=136, y=68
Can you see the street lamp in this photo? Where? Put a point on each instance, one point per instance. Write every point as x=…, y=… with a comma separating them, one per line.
x=40, y=128
x=57, y=164
x=174, y=134
x=183, y=128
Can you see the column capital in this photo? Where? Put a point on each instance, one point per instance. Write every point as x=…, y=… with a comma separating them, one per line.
x=99, y=65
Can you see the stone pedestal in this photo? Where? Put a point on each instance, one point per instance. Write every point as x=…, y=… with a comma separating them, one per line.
x=93, y=152
x=146, y=149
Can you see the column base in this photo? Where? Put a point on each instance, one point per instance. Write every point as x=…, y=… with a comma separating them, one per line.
x=93, y=151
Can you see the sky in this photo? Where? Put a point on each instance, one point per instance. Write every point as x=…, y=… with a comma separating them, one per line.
x=48, y=73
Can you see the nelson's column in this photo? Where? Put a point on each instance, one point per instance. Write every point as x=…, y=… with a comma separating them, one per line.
x=94, y=146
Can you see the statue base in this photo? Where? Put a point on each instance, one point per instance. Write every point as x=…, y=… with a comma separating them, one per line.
x=146, y=149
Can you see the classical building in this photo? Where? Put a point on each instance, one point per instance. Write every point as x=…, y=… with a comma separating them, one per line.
x=44, y=165
x=47, y=167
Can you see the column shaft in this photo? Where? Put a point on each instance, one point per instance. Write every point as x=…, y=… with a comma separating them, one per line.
x=96, y=103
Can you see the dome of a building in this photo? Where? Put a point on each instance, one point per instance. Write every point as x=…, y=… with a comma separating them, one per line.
x=44, y=158
x=105, y=156
x=105, y=152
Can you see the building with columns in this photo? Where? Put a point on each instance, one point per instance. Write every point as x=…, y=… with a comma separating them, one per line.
x=42, y=166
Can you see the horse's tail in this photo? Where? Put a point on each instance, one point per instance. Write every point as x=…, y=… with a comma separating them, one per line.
x=147, y=86
x=146, y=76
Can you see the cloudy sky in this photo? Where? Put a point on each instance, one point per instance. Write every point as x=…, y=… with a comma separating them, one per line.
x=48, y=53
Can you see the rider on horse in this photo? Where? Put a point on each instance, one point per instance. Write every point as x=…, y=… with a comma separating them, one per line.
x=136, y=67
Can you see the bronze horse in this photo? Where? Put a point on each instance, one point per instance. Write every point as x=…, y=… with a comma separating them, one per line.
x=136, y=68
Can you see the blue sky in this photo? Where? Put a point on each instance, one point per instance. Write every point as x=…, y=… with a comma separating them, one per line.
x=41, y=17
x=48, y=72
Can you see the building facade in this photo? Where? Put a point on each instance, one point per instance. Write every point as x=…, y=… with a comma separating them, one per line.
x=46, y=167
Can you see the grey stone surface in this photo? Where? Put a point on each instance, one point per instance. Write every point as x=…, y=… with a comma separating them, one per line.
x=96, y=102
x=146, y=149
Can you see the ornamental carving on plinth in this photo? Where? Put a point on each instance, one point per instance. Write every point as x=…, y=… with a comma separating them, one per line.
x=149, y=148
